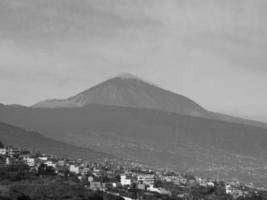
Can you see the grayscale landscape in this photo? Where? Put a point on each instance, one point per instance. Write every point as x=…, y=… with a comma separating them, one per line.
x=102, y=92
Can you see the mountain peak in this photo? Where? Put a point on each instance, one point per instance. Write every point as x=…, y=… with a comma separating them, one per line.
x=127, y=75
x=127, y=90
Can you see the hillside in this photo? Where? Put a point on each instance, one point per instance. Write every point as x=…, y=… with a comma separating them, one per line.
x=161, y=138
x=133, y=92
x=11, y=135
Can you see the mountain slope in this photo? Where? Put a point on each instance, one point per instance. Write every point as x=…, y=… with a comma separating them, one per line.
x=196, y=144
x=11, y=135
x=139, y=124
x=128, y=117
x=130, y=91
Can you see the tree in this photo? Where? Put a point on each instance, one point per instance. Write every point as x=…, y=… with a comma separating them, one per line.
x=45, y=170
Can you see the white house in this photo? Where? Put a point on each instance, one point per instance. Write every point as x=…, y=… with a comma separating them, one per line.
x=50, y=163
x=210, y=184
x=74, y=169
x=233, y=191
x=125, y=180
x=90, y=179
x=147, y=179
x=7, y=161
x=3, y=151
x=43, y=158
x=114, y=185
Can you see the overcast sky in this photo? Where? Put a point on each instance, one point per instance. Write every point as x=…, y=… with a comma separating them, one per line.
x=212, y=51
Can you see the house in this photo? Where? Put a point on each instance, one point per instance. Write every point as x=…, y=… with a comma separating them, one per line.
x=235, y=192
x=125, y=180
x=3, y=151
x=13, y=152
x=8, y=162
x=228, y=189
x=29, y=161
x=61, y=163
x=96, y=172
x=90, y=179
x=84, y=170
x=74, y=169
x=114, y=185
x=14, y=162
x=43, y=158
x=147, y=179
x=50, y=163
x=210, y=184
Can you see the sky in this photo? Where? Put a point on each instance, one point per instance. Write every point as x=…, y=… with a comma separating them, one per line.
x=212, y=51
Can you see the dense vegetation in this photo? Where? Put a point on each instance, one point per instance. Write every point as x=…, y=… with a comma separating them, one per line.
x=48, y=187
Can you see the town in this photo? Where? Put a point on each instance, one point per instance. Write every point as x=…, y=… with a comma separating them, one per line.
x=124, y=179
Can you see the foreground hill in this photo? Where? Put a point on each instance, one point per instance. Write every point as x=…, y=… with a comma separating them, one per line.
x=202, y=145
x=130, y=91
x=11, y=135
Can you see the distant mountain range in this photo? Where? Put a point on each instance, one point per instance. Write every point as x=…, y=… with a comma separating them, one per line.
x=17, y=137
x=128, y=117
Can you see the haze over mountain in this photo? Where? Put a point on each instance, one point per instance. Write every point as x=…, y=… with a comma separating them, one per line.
x=128, y=90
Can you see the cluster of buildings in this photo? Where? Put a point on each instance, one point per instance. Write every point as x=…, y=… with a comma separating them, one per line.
x=123, y=178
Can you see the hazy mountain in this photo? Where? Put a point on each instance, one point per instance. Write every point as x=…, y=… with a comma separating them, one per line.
x=162, y=138
x=126, y=116
x=17, y=137
x=130, y=91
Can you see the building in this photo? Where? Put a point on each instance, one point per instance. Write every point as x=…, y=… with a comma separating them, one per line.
x=13, y=161
x=84, y=170
x=61, y=163
x=125, y=180
x=147, y=179
x=50, y=163
x=43, y=158
x=3, y=151
x=90, y=179
x=235, y=192
x=29, y=161
x=8, y=162
x=13, y=152
x=74, y=169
